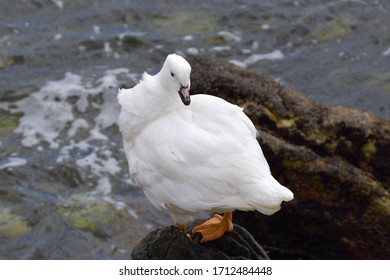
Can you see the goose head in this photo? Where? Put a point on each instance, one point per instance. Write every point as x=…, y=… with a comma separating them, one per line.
x=175, y=74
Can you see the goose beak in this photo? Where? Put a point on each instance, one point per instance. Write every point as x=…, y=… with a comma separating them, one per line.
x=184, y=93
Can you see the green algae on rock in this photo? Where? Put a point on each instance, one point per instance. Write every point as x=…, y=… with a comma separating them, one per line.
x=12, y=225
x=184, y=23
x=95, y=216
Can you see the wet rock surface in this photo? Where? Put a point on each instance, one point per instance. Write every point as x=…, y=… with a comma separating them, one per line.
x=172, y=244
x=334, y=159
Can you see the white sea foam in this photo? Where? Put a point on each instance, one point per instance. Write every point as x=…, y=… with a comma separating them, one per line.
x=12, y=162
x=121, y=36
x=221, y=48
x=47, y=112
x=71, y=115
x=58, y=36
x=254, y=58
x=58, y=3
x=193, y=51
x=79, y=123
x=188, y=38
x=386, y=52
x=103, y=186
x=229, y=36
x=132, y=213
x=96, y=29
x=265, y=26
x=246, y=51
x=107, y=48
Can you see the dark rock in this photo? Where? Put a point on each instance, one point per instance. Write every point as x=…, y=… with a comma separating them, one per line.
x=335, y=160
x=171, y=244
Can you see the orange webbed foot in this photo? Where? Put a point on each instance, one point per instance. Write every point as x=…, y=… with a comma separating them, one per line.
x=215, y=227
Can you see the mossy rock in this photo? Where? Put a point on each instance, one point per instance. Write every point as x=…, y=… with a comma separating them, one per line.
x=170, y=243
x=8, y=122
x=181, y=23
x=94, y=216
x=12, y=225
x=334, y=159
x=334, y=28
x=131, y=43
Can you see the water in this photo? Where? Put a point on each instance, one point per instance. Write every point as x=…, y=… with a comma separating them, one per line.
x=64, y=188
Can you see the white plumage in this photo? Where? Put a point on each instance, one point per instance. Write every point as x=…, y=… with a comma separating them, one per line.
x=199, y=157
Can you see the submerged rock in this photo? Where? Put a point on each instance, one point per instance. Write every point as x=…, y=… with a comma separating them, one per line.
x=12, y=225
x=171, y=244
x=334, y=159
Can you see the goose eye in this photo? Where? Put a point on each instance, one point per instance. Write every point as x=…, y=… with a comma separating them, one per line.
x=173, y=75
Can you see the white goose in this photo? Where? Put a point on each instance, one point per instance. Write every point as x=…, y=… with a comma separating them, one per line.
x=197, y=153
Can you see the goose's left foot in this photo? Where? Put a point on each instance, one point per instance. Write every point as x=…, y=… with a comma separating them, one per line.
x=215, y=227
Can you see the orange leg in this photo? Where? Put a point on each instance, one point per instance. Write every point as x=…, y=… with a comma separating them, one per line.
x=182, y=227
x=215, y=227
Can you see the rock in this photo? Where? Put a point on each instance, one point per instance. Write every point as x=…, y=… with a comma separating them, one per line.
x=335, y=160
x=171, y=244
